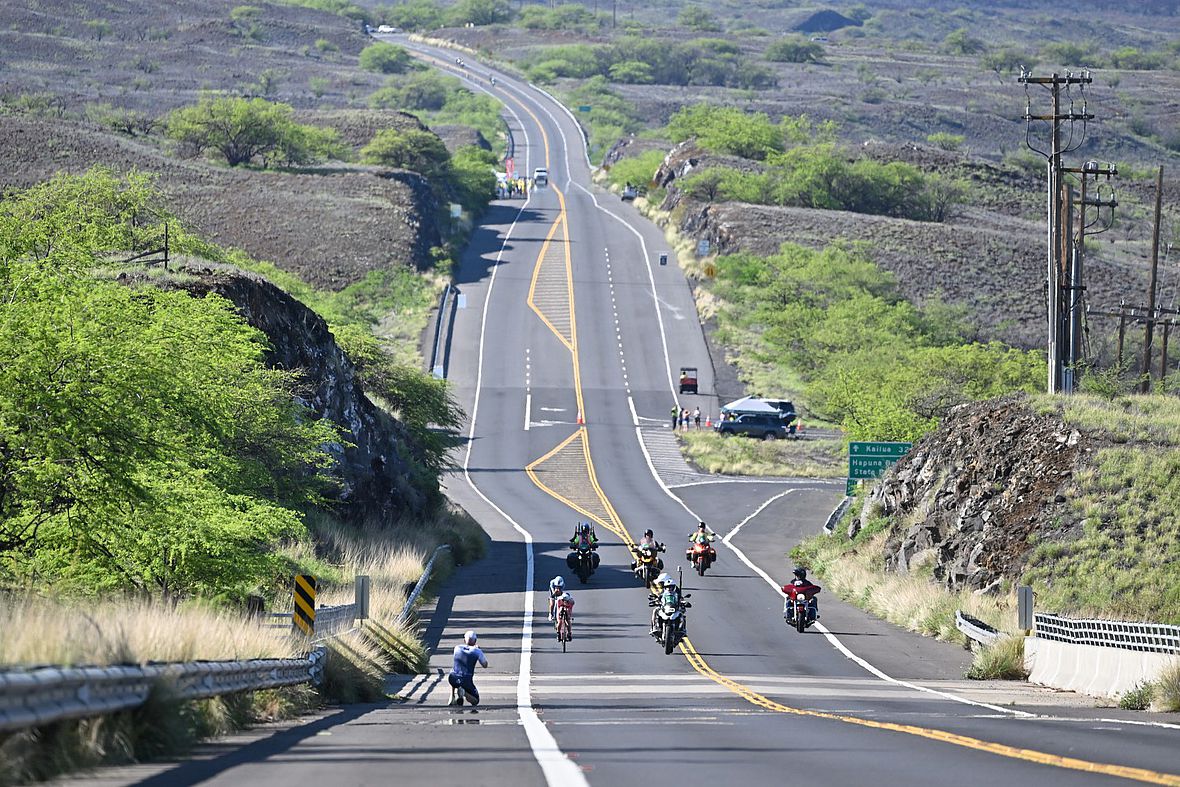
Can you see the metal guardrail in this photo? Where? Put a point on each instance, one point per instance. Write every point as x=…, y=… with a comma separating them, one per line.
x=837, y=513
x=421, y=585
x=438, y=331
x=1143, y=637
x=44, y=695
x=975, y=629
x=34, y=697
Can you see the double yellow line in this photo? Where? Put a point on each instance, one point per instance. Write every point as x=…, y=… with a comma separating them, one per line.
x=616, y=526
x=1029, y=755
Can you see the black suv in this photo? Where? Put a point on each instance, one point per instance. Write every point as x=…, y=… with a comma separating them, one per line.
x=769, y=426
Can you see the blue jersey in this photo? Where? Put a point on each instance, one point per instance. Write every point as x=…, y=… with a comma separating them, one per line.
x=466, y=657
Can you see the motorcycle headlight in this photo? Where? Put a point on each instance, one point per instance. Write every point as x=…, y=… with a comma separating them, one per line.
x=669, y=609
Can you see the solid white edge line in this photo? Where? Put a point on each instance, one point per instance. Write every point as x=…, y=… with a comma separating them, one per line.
x=631, y=404
x=528, y=411
x=741, y=555
x=557, y=769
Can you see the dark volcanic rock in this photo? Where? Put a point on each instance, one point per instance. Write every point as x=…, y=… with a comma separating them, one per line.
x=970, y=495
x=825, y=22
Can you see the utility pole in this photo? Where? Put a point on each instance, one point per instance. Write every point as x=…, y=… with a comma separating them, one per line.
x=1063, y=268
x=1145, y=385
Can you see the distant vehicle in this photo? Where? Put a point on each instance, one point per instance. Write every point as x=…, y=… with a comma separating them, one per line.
x=820, y=39
x=541, y=176
x=629, y=193
x=688, y=379
x=764, y=426
x=387, y=29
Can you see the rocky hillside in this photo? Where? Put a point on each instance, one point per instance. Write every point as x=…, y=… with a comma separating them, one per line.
x=971, y=498
x=1073, y=495
x=375, y=463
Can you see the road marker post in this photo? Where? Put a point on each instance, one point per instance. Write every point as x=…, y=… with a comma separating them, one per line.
x=303, y=608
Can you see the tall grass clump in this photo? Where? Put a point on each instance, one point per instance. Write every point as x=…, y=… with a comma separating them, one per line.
x=1167, y=689
x=735, y=455
x=1003, y=660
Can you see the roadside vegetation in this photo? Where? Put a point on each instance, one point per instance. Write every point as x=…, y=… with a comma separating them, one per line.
x=715, y=453
x=155, y=471
x=831, y=325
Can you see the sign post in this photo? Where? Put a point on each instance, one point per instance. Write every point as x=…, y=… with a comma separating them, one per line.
x=871, y=460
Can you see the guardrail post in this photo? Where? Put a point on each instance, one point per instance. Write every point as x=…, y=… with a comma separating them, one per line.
x=1024, y=608
x=361, y=598
x=303, y=618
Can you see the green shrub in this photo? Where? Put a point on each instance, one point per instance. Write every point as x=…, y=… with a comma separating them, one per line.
x=726, y=130
x=420, y=151
x=795, y=49
x=325, y=46
x=414, y=15
x=696, y=17
x=637, y=170
x=1133, y=59
x=242, y=130
x=480, y=12
x=1138, y=698
x=385, y=58
x=960, y=42
x=945, y=140
x=567, y=16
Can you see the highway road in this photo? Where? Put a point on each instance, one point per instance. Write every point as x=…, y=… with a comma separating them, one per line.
x=565, y=358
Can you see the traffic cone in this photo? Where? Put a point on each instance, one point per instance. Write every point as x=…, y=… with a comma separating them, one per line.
x=708, y=422
x=801, y=428
x=581, y=420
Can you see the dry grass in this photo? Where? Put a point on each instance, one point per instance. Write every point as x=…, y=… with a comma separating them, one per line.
x=735, y=455
x=852, y=570
x=1002, y=661
x=1167, y=689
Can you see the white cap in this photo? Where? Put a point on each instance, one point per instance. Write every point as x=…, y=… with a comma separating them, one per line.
x=469, y=637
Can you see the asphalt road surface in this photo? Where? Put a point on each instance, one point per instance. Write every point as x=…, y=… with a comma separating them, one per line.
x=565, y=358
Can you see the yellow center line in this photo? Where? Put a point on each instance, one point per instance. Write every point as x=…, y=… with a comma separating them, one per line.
x=1030, y=755
x=693, y=657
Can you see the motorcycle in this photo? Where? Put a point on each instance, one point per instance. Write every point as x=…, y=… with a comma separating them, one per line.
x=671, y=618
x=647, y=562
x=582, y=561
x=800, y=609
x=701, y=555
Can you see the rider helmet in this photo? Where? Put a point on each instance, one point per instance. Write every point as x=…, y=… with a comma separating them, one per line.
x=559, y=581
x=584, y=527
x=801, y=573
x=566, y=597
x=649, y=533
x=663, y=578
x=701, y=526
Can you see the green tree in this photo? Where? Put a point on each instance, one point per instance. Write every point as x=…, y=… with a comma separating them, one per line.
x=241, y=130
x=144, y=445
x=726, y=130
x=385, y=58
x=631, y=72
x=696, y=17
x=795, y=49
x=420, y=151
x=414, y=15
x=960, y=42
x=481, y=12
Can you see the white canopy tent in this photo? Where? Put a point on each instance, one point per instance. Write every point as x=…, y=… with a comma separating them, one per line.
x=749, y=404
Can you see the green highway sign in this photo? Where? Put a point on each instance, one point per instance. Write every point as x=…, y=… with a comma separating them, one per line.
x=584, y=108
x=894, y=450
x=871, y=460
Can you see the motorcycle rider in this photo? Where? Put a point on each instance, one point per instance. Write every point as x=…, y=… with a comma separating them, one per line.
x=564, y=601
x=648, y=541
x=702, y=535
x=665, y=583
x=802, y=585
x=556, y=588
x=583, y=538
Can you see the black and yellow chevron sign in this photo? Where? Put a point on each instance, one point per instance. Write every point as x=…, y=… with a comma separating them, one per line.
x=304, y=617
